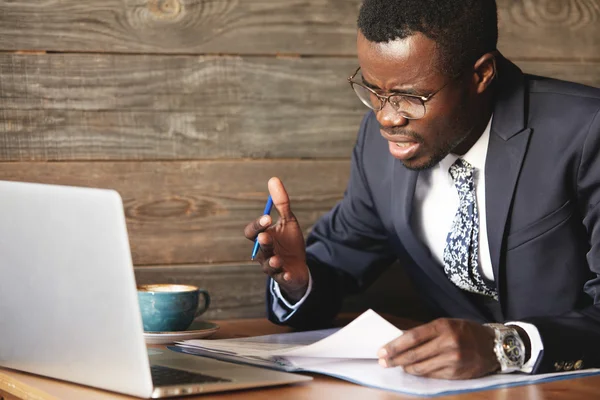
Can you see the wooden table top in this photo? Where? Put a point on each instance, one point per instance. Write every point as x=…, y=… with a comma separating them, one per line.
x=18, y=385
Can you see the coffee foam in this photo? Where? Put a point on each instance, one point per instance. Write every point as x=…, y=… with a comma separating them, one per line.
x=166, y=288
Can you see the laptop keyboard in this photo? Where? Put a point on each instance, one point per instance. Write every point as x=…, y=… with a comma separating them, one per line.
x=165, y=376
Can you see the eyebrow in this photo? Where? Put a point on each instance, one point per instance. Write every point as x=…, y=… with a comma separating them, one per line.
x=400, y=92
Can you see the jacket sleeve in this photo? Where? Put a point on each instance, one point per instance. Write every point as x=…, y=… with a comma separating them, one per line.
x=572, y=340
x=346, y=250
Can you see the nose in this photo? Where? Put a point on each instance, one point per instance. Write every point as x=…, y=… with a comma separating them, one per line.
x=388, y=117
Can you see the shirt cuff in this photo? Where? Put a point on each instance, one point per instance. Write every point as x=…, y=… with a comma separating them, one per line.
x=282, y=308
x=536, y=344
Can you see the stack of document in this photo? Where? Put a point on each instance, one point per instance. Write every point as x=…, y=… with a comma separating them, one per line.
x=349, y=353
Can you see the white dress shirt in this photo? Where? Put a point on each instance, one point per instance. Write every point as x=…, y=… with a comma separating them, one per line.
x=434, y=208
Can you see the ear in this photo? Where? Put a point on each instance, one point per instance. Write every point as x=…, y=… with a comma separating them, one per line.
x=484, y=72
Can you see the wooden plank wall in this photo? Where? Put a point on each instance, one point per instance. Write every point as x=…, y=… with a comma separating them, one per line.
x=187, y=107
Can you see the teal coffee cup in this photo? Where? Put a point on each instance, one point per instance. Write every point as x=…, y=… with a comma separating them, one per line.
x=169, y=307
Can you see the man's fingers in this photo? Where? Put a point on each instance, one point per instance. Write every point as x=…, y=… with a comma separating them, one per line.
x=432, y=366
x=415, y=355
x=448, y=365
x=409, y=339
x=281, y=200
x=287, y=276
x=276, y=263
x=266, y=244
x=271, y=263
x=255, y=227
x=273, y=266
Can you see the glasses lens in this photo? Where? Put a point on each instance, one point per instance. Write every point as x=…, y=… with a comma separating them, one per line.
x=408, y=107
x=367, y=97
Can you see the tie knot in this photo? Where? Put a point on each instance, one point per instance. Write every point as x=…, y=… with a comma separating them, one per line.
x=462, y=174
x=461, y=171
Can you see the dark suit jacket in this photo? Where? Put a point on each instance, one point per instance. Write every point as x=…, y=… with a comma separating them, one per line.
x=543, y=221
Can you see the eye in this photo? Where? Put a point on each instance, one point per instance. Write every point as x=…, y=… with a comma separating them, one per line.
x=399, y=100
x=413, y=100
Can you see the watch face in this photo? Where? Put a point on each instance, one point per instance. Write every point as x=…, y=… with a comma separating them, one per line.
x=512, y=348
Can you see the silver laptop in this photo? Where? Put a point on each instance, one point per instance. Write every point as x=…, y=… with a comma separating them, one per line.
x=68, y=300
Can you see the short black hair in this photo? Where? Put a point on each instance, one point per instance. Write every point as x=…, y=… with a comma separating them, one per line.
x=463, y=30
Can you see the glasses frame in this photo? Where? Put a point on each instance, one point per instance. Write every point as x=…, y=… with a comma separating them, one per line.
x=386, y=99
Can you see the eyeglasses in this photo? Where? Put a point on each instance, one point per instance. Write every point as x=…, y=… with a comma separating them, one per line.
x=409, y=106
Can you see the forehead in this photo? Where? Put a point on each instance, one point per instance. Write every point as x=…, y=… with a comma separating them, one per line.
x=405, y=62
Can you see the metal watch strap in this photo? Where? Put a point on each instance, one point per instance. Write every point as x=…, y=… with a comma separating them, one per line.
x=502, y=333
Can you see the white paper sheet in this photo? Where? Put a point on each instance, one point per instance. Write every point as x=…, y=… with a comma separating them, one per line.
x=359, y=339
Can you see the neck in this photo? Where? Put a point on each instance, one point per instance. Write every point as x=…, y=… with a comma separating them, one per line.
x=483, y=110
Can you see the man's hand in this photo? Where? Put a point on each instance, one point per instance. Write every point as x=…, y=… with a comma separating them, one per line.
x=444, y=349
x=282, y=253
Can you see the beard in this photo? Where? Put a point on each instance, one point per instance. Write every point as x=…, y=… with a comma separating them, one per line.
x=461, y=127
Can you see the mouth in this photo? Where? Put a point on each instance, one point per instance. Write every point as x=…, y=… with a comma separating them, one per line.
x=404, y=151
x=402, y=147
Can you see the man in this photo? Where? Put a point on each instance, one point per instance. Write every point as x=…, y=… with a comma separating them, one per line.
x=482, y=181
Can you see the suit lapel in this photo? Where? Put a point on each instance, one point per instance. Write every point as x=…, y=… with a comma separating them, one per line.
x=403, y=189
x=509, y=138
x=502, y=168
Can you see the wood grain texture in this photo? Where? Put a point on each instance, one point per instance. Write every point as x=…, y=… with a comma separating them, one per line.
x=560, y=29
x=587, y=73
x=180, y=26
x=528, y=28
x=195, y=211
x=138, y=107
x=101, y=107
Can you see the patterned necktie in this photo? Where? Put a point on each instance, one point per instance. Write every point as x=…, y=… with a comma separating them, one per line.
x=461, y=261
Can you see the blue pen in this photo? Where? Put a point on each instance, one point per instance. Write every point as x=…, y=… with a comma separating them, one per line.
x=267, y=211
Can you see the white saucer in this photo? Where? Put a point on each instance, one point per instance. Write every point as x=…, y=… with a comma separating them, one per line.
x=197, y=330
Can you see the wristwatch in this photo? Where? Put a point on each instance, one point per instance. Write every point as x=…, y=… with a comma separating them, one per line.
x=509, y=348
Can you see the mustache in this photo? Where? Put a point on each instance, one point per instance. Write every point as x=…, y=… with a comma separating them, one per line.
x=396, y=131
